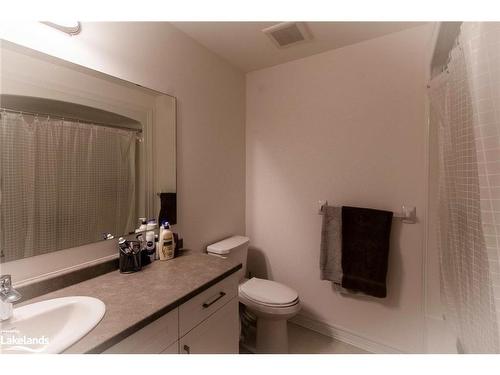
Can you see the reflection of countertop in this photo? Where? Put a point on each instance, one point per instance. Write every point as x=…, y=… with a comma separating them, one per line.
x=135, y=300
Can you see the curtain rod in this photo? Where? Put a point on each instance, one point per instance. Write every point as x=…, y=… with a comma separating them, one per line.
x=69, y=118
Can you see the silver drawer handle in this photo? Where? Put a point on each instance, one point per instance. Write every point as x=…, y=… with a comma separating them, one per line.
x=208, y=304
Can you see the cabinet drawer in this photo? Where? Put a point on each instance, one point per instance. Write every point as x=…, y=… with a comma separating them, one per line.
x=152, y=339
x=201, y=306
x=219, y=334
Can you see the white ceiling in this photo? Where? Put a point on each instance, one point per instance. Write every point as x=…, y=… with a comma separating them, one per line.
x=245, y=46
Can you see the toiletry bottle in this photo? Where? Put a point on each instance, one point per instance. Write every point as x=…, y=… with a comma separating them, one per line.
x=157, y=246
x=167, y=243
x=159, y=240
x=150, y=239
x=143, y=225
x=141, y=240
x=162, y=227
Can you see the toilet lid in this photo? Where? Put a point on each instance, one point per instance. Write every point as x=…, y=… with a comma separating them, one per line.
x=268, y=292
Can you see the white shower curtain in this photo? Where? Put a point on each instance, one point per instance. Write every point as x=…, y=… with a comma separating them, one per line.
x=63, y=184
x=465, y=101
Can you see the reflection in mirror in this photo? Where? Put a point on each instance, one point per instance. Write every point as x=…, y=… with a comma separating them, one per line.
x=82, y=155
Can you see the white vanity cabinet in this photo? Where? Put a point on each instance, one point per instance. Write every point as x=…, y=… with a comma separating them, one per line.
x=208, y=323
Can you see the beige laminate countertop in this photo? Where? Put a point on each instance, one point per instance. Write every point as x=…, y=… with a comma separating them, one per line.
x=135, y=300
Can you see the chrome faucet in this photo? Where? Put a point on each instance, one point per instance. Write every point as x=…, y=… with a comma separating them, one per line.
x=8, y=295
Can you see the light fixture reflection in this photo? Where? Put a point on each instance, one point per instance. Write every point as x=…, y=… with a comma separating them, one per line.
x=68, y=27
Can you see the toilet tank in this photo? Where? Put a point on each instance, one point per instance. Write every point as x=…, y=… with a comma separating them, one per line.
x=234, y=248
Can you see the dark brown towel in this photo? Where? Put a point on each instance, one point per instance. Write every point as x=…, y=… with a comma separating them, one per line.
x=168, y=209
x=365, y=249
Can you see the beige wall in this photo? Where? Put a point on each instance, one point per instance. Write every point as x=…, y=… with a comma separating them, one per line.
x=210, y=117
x=348, y=125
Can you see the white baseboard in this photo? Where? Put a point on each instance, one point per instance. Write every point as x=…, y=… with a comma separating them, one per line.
x=344, y=335
x=440, y=338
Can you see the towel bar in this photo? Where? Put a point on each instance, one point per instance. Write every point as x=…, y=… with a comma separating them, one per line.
x=408, y=214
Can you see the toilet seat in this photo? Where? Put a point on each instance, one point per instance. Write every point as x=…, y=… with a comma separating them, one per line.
x=268, y=293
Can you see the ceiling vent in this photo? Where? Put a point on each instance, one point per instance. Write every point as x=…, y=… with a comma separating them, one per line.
x=288, y=34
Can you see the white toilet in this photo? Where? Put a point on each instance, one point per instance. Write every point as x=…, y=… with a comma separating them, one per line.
x=271, y=302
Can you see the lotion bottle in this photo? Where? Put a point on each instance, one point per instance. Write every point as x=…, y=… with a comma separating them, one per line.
x=159, y=241
x=167, y=243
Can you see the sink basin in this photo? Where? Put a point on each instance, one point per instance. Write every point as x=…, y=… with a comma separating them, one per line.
x=50, y=326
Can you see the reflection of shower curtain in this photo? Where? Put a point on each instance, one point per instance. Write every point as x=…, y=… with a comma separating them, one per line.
x=63, y=184
x=465, y=101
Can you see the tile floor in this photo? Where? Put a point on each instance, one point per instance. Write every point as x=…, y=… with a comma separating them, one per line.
x=304, y=341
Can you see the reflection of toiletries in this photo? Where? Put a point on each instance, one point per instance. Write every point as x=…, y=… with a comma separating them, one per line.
x=167, y=243
x=143, y=225
x=151, y=224
x=150, y=239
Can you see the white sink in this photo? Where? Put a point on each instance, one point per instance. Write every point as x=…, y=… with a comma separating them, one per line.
x=50, y=326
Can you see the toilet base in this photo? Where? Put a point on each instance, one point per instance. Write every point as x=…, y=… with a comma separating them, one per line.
x=272, y=333
x=272, y=336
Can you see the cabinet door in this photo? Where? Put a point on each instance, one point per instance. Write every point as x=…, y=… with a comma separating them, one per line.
x=219, y=334
x=172, y=349
x=152, y=339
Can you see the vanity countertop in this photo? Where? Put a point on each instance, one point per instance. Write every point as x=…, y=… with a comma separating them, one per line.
x=135, y=300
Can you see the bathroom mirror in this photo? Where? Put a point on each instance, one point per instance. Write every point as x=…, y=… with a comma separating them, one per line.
x=82, y=154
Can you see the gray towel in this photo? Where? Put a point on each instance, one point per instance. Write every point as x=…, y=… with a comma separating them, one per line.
x=331, y=244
